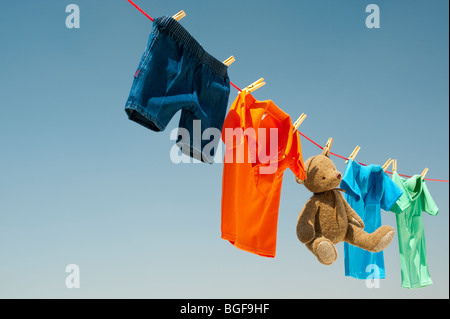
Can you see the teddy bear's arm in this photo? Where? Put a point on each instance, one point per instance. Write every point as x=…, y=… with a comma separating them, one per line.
x=352, y=216
x=306, y=221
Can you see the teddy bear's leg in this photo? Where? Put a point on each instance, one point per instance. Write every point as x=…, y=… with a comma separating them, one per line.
x=374, y=242
x=323, y=249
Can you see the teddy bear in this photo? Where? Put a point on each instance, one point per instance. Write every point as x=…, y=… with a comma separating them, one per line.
x=327, y=218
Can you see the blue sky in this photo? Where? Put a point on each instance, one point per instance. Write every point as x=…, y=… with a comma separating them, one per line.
x=81, y=184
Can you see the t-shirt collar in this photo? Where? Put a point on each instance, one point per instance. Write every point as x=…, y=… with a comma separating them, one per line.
x=254, y=115
x=414, y=186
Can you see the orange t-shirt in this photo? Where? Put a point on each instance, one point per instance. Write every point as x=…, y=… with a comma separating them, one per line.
x=263, y=145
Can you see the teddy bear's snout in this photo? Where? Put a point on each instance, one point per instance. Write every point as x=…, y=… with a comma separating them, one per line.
x=338, y=176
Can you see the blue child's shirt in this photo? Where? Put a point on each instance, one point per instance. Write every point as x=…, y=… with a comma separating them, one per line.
x=368, y=190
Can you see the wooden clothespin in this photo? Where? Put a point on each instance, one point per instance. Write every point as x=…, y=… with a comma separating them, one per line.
x=353, y=154
x=394, y=165
x=327, y=147
x=386, y=165
x=299, y=121
x=255, y=85
x=229, y=61
x=180, y=15
x=424, y=173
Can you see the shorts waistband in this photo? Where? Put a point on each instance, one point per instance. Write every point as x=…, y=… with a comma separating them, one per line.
x=179, y=33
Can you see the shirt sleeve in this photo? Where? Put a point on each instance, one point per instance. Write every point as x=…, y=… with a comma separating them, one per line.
x=404, y=201
x=297, y=166
x=428, y=204
x=391, y=193
x=349, y=182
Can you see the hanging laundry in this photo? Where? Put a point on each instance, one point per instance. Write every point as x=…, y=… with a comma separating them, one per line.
x=411, y=235
x=368, y=190
x=175, y=73
x=260, y=143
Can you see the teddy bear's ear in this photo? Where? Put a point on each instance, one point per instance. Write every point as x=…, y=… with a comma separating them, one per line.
x=298, y=180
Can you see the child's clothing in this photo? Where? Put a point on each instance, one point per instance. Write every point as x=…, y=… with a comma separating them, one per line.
x=251, y=184
x=176, y=73
x=411, y=236
x=368, y=190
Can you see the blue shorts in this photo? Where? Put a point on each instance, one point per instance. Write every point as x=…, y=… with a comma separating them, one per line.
x=176, y=73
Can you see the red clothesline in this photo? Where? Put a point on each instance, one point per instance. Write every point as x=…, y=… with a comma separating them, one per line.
x=345, y=158
x=142, y=11
x=337, y=155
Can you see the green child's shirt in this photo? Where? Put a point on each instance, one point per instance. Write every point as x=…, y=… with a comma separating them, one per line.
x=411, y=236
